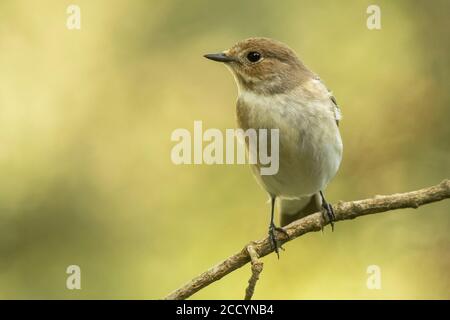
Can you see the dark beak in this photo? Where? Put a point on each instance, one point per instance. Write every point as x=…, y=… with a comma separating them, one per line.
x=220, y=57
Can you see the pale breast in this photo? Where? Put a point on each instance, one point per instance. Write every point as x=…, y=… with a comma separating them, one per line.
x=310, y=143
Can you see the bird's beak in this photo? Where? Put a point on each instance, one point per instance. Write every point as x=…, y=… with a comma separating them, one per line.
x=220, y=57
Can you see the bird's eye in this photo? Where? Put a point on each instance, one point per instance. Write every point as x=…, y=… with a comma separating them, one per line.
x=253, y=56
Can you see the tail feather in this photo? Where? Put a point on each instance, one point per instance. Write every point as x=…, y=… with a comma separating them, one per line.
x=294, y=209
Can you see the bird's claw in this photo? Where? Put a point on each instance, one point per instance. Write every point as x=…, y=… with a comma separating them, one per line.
x=328, y=214
x=273, y=238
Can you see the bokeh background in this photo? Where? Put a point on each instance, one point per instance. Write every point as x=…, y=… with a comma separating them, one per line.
x=85, y=170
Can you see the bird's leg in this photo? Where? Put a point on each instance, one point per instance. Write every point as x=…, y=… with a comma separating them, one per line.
x=328, y=210
x=273, y=228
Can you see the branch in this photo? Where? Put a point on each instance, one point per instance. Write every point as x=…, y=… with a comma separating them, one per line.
x=257, y=268
x=314, y=222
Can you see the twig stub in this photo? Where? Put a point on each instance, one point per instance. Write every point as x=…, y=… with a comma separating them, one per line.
x=257, y=268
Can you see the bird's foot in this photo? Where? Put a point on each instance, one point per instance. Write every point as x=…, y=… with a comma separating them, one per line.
x=328, y=214
x=273, y=238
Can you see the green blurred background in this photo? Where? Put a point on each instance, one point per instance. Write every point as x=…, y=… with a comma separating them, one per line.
x=85, y=170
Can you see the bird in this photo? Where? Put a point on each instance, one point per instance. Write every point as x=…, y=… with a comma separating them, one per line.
x=276, y=90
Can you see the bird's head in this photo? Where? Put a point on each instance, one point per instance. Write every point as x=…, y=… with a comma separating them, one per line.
x=263, y=66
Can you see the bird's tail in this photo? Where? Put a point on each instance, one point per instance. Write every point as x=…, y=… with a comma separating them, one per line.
x=294, y=209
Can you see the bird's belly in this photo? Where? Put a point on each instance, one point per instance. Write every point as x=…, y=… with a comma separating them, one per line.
x=302, y=171
x=310, y=152
x=291, y=182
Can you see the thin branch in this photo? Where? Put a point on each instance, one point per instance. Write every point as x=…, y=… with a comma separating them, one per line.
x=257, y=268
x=314, y=222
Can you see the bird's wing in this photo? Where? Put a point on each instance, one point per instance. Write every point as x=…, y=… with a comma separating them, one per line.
x=335, y=107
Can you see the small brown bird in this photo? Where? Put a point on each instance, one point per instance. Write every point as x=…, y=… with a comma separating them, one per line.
x=277, y=91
